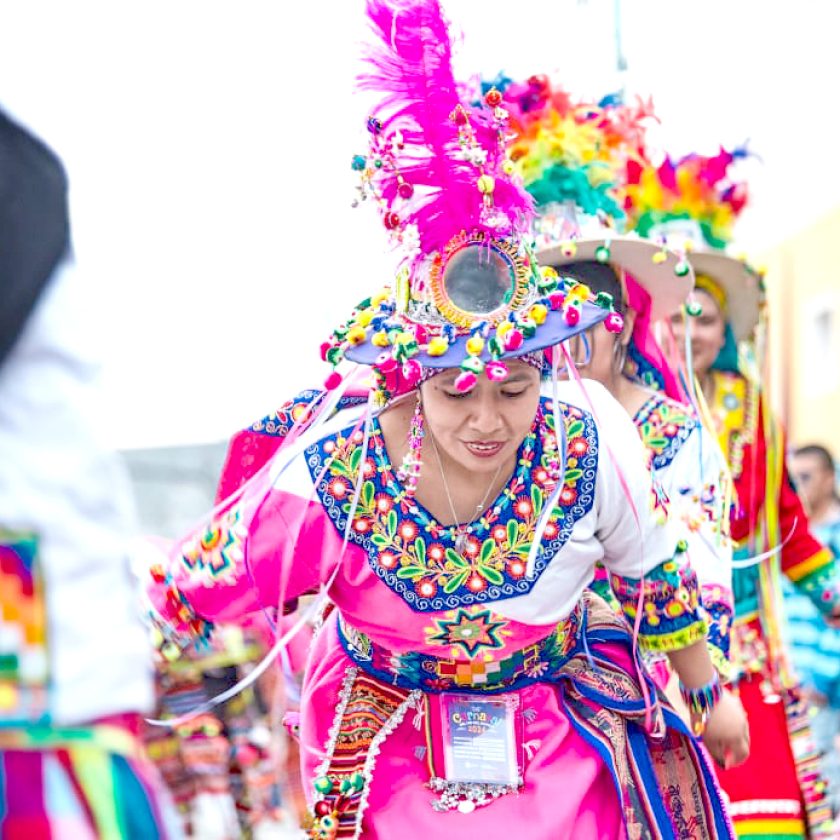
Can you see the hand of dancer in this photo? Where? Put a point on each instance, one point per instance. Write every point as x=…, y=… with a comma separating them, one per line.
x=727, y=734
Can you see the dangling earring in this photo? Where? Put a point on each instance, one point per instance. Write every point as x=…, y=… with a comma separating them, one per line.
x=409, y=470
x=619, y=356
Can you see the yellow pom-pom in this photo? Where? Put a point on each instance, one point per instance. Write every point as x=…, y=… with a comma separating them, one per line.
x=486, y=184
x=437, y=346
x=356, y=335
x=539, y=312
x=508, y=167
x=503, y=329
x=580, y=291
x=659, y=257
x=568, y=249
x=364, y=317
x=548, y=272
x=475, y=344
x=380, y=298
x=380, y=339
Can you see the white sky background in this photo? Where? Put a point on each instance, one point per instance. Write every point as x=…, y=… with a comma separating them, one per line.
x=208, y=145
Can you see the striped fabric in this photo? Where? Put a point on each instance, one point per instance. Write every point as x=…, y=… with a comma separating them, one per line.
x=79, y=784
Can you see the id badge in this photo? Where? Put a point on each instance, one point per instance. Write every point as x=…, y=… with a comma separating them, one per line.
x=479, y=739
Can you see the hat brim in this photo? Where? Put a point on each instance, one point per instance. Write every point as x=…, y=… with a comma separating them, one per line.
x=552, y=331
x=741, y=285
x=668, y=291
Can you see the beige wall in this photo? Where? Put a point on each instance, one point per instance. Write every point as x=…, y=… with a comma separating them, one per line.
x=803, y=286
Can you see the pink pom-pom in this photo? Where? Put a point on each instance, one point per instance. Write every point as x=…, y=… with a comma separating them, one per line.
x=412, y=370
x=325, y=346
x=556, y=299
x=332, y=381
x=386, y=362
x=496, y=371
x=421, y=334
x=513, y=340
x=614, y=322
x=572, y=315
x=465, y=381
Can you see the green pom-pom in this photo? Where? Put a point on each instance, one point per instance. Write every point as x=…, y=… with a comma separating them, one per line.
x=602, y=254
x=334, y=355
x=323, y=785
x=473, y=364
x=682, y=268
x=358, y=163
x=604, y=300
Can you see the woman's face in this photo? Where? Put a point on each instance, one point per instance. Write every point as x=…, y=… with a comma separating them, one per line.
x=708, y=331
x=482, y=428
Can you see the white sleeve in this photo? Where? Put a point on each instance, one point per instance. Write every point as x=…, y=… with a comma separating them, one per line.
x=694, y=484
x=635, y=534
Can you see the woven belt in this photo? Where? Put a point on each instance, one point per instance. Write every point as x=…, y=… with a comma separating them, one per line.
x=539, y=662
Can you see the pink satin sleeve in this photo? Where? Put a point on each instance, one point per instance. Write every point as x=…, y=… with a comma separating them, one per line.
x=256, y=552
x=248, y=451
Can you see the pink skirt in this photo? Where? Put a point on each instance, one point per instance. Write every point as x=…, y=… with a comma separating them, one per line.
x=589, y=772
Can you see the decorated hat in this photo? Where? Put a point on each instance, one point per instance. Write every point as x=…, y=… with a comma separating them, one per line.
x=692, y=204
x=573, y=157
x=469, y=292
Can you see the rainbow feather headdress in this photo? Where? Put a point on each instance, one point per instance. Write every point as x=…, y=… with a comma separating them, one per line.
x=469, y=291
x=573, y=157
x=573, y=152
x=692, y=203
x=695, y=188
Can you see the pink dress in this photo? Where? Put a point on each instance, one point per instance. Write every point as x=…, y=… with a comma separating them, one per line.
x=427, y=632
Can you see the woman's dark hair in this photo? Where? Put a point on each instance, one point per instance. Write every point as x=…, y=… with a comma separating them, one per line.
x=600, y=277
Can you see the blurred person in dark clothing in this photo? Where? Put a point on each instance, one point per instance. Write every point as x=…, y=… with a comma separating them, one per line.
x=75, y=667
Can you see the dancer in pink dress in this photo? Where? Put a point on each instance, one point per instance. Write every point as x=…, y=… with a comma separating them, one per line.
x=467, y=682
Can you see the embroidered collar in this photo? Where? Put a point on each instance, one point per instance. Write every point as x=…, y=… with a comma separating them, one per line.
x=664, y=426
x=416, y=557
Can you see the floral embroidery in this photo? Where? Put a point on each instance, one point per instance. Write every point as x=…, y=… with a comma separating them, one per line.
x=296, y=410
x=707, y=506
x=417, y=557
x=470, y=631
x=671, y=616
x=664, y=426
x=213, y=556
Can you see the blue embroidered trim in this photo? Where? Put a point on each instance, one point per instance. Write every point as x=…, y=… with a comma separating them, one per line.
x=280, y=423
x=664, y=426
x=639, y=369
x=416, y=557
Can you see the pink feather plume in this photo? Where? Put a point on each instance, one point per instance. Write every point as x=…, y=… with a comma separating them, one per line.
x=410, y=65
